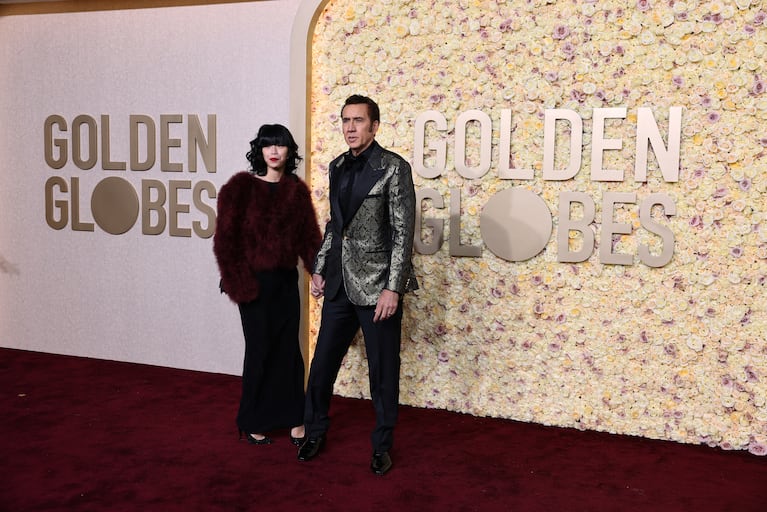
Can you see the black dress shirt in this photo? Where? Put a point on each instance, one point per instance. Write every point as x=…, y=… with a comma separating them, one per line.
x=353, y=166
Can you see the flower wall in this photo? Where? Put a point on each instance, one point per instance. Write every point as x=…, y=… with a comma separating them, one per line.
x=677, y=352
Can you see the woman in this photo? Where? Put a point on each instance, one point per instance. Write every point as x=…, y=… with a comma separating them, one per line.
x=265, y=222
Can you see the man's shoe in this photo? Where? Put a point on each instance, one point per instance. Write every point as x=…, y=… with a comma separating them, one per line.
x=311, y=448
x=381, y=463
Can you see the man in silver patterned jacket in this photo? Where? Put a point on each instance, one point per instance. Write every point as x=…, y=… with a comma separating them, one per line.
x=363, y=268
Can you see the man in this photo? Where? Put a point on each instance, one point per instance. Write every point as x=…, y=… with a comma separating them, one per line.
x=363, y=268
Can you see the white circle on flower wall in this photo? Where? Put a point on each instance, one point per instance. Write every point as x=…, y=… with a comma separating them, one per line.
x=516, y=224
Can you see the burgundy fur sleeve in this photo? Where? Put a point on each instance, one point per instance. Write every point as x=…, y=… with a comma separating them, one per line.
x=229, y=240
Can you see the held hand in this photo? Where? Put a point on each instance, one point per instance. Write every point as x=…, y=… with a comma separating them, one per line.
x=317, y=286
x=387, y=305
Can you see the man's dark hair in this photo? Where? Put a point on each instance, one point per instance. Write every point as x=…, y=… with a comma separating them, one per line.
x=357, y=99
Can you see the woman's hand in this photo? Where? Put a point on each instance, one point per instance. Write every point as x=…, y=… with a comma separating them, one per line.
x=317, y=286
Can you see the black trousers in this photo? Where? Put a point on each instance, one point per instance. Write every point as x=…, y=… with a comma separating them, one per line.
x=340, y=322
x=273, y=368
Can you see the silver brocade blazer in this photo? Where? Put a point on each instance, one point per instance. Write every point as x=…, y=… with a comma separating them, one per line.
x=377, y=241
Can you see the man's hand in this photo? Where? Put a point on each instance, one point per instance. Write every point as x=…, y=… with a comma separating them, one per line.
x=386, y=306
x=317, y=286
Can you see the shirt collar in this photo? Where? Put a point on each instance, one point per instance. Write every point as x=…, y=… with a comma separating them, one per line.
x=362, y=157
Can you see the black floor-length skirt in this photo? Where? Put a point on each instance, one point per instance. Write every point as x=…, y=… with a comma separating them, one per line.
x=273, y=369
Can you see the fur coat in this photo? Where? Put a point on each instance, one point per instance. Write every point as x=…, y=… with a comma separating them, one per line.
x=259, y=229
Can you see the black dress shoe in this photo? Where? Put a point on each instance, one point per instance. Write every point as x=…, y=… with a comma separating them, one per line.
x=310, y=448
x=298, y=441
x=381, y=463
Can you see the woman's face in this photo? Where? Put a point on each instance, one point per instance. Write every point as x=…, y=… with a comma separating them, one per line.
x=276, y=157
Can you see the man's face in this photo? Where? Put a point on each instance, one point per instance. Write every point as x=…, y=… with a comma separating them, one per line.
x=359, y=131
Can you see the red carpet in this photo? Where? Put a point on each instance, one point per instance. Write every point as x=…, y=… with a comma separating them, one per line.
x=82, y=434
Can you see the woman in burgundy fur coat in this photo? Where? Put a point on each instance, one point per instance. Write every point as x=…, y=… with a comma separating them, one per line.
x=266, y=222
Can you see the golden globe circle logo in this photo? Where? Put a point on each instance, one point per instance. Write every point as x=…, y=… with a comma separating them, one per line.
x=178, y=207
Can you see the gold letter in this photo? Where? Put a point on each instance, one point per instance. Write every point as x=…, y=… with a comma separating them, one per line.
x=106, y=158
x=135, y=164
x=174, y=208
x=166, y=143
x=76, y=224
x=148, y=206
x=582, y=226
x=209, y=211
x=50, y=142
x=77, y=148
x=59, y=204
x=207, y=147
x=645, y=217
x=437, y=226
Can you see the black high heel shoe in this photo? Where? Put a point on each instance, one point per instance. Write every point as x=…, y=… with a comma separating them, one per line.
x=297, y=441
x=252, y=440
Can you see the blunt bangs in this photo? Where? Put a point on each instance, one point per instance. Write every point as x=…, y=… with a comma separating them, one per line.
x=274, y=135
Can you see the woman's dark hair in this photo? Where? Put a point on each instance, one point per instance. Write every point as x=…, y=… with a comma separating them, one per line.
x=272, y=135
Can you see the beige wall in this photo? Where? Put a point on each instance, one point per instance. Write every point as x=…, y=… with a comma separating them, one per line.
x=133, y=296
